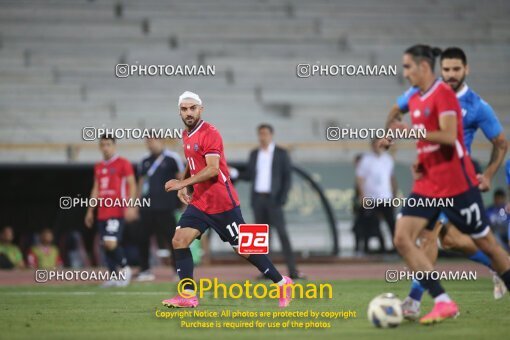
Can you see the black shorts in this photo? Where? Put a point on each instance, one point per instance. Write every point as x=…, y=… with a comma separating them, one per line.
x=111, y=229
x=467, y=213
x=226, y=224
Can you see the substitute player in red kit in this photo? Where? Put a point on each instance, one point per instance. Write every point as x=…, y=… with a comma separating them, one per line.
x=213, y=203
x=112, y=176
x=443, y=170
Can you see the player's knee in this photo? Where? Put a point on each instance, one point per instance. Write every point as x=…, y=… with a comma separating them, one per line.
x=180, y=241
x=402, y=242
x=110, y=245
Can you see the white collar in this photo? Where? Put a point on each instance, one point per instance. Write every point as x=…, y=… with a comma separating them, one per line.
x=196, y=128
x=111, y=160
x=431, y=89
x=270, y=148
x=462, y=92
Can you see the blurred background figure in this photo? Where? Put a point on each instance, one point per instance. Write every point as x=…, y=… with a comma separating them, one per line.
x=10, y=255
x=158, y=219
x=500, y=218
x=375, y=179
x=269, y=170
x=359, y=226
x=113, y=178
x=44, y=255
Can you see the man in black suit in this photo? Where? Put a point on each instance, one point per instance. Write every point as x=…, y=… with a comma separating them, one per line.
x=269, y=169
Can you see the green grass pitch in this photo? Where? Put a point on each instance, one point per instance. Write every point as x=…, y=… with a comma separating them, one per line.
x=90, y=312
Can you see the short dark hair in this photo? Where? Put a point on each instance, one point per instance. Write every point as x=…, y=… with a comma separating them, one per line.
x=499, y=192
x=265, y=126
x=107, y=136
x=454, y=53
x=424, y=52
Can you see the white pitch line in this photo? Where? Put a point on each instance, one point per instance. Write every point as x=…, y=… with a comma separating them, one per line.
x=83, y=293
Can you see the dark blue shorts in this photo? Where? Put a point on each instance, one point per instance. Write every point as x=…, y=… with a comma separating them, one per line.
x=467, y=213
x=226, y=224
x=111, y=229
x=442, y=217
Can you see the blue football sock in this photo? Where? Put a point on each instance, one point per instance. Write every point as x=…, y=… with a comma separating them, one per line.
x=432, y=286
x=506, y=278
x=110, y=260
x=115, y=258
x=480, y=257
x=184, y=265
x=120, y=258
x=266, y=267
x=416, y=291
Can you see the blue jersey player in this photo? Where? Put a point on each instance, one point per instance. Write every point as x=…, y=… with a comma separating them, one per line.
x=507, y=173
x=477, y=114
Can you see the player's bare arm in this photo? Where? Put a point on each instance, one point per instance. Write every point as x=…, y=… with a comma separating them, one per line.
x=394, y=116
x=131, y=213
x=447, y=133
x=499, y=149
x=183, y=194
x=89, y=216
x=210, y=171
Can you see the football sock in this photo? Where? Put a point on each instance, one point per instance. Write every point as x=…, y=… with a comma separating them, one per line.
x=281, y=283
x=432, y=286
x=416, y=291
x=119, y=258
x=506, y=278
x=266, y=267
x=110, y=260
x=184, y=265
x=480, y=257
x=442, y=298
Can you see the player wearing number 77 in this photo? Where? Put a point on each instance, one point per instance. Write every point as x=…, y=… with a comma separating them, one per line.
x=477, y=114
x=445, y=170
x=213, y=203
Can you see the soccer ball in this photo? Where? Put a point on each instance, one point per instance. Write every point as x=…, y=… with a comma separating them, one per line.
x=385, y=311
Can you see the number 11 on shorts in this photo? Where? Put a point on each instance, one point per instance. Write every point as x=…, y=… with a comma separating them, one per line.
x=253, y=239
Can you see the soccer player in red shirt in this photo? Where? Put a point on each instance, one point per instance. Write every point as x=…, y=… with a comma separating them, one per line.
x=443, y=170
x=112, y=176
x=213, y=203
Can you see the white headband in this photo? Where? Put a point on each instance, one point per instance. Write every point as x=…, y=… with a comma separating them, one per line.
x=189, y=95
